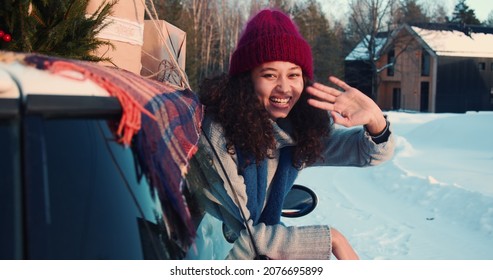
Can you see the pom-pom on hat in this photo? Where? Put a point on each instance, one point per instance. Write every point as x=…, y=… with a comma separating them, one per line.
x=271, y=36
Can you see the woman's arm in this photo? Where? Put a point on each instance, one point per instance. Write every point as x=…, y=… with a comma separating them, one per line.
x=355, y=147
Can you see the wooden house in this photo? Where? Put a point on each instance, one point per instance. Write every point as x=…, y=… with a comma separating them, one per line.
x=428, y=68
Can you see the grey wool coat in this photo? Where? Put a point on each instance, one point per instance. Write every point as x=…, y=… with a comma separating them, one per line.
x=343, y=147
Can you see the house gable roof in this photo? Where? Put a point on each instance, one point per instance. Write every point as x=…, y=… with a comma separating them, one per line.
x=451, y=42
x=360, y=52
x=439, y=39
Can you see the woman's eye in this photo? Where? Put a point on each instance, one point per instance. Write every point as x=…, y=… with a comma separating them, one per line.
x=269, y=76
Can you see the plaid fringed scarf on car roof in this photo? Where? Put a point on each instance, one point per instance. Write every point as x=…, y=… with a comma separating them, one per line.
x=165, y=122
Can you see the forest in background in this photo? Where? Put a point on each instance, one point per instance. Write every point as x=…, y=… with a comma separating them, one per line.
x=213, y=27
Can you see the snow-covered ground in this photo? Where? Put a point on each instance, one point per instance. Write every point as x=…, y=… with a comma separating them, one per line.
x=432, y=201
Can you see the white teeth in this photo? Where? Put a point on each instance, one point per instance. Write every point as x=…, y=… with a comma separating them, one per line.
x=280, y=100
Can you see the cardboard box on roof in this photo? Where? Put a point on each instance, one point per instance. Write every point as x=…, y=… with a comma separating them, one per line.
x=164, y=47
x=125, y=32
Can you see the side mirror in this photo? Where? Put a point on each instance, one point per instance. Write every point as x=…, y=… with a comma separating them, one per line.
x=299, y=202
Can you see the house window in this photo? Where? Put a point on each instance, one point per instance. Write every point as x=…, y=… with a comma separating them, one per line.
x=396, y=98
x=390, y=61
x=425, y=63
x=425, y=95
x=482, y=66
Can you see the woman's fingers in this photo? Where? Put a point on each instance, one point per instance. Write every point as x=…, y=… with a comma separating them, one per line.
x=321, y=90
x=324, y=105
x=323, y=97
x=339, y=83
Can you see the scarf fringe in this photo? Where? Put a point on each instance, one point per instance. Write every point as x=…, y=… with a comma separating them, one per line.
x=130, y=122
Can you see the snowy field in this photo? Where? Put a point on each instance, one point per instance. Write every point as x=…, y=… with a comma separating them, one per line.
x=432, y=201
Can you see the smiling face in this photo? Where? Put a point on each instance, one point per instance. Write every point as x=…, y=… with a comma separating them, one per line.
x=278, y=86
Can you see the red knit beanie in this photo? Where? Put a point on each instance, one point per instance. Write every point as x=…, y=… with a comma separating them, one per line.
x=271, y=36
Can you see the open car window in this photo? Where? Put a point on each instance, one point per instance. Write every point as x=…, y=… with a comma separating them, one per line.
x=96, y=204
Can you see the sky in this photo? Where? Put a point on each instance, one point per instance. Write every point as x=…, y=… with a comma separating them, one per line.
x=482, y=8
x=432, y=201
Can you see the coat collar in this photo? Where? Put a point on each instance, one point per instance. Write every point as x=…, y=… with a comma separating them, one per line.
x=282, y=133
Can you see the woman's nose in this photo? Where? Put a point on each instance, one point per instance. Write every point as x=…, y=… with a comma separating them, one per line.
x=282, y=85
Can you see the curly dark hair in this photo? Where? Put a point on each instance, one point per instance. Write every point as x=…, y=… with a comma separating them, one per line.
x=232, y=102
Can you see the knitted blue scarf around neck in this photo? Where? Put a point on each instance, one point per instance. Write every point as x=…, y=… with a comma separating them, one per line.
x=255, y=177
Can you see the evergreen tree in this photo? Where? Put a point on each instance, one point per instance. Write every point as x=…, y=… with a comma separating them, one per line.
x=53, y=27
x=463, y=14
x=326, y=46
x=410, y=11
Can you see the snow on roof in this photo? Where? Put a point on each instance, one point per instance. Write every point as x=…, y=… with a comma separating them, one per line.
x=457, y=43
x=444, y=42
x=360, y=52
